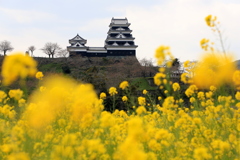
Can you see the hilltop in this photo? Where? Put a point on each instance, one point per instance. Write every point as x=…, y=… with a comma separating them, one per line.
x=102, y=72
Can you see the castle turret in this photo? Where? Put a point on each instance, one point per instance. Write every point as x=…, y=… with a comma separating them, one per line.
x=119, y=41
x=77, y=46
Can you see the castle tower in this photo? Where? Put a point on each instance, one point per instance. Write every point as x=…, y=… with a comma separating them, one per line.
x=119, y=41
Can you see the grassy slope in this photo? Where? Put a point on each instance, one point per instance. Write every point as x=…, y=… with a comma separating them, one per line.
x=142, y=83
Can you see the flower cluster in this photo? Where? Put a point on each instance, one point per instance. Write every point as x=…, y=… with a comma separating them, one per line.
x=214, y=69
x=113, y=91
x=162, y=54
x=206, y=45
x=210, y=20
x=17, y=66
x=39, y=75
x=123, y=85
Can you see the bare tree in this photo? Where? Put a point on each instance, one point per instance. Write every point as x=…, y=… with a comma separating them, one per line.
x=51, y=49
x=5, y=46
x=32, y=48
x=63, y=53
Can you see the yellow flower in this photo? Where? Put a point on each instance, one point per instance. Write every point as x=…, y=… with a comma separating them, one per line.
x=237, y=95
x=157, y=78
x=16, y=94
x=17, y=65
x=161, y=69
x=6, y=148
x=42, y=88
x=204, y=43
x=232, y=137
x=185, y=78
x=210, y=20
x=176, y=86
x=112, y=91
x=191, y=90
x=62, y=96
x=181, y=100
x=107, y=119
x=103, y=95
x=39, y=75
x=154, y=145
x=21, y=102
x=165, y=91
x=124, y=85
x=162, y=53
x=162, y=134
x=186, y=64
x=201, y=96
x=140, y=110
x=61, y=122
x=124, y=98
x=201, y=154
x=209, y=94
x=213, y=88
x=192, y=99
x=2, y=95
x=213, y=69
x=236, y=78
x=197, y=120
x=18, y=155
x=141, y=101
x=165, y=81
x=145, y=91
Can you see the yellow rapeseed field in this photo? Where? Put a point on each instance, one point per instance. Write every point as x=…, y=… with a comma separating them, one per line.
x=65, y=120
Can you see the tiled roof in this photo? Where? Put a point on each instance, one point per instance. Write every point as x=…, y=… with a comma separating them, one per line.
x=77, y=37
x=119, y=21
x=97, y=48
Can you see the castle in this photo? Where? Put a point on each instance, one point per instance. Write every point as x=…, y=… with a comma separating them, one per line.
x=119, y=42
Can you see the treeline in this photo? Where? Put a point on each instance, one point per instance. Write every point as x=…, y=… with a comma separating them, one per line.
x=51, y=49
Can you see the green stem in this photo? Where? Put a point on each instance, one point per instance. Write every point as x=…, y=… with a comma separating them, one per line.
x=113, y=107
x=221, y=39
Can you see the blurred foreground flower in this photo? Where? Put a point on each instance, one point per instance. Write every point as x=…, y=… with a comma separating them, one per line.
x=236, y=79
x=62, y=95
x=214, y=69
x=18, y=66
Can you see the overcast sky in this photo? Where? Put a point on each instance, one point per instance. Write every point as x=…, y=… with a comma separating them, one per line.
x=176, y=23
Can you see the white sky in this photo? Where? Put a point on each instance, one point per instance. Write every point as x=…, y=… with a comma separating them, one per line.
x=176, y=23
